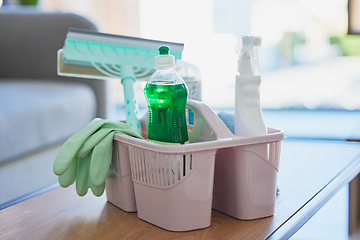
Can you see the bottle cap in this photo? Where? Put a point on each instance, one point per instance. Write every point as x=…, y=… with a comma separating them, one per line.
x=164, y=59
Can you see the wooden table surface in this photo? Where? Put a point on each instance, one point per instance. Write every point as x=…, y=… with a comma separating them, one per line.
x=310, y=173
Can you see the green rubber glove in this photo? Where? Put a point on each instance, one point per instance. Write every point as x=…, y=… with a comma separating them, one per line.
x=68, y=151
x=82, y=175
x=86, y=156
x=65, y=165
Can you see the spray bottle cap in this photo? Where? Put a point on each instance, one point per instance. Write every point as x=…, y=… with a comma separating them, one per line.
x=164, y=59
x=247, y=49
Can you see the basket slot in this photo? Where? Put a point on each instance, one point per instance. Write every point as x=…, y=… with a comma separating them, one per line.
x=140, y=166
x=154, y=176
x=148, y=170
x=157, y=169
x=272, y=147
x=133, y=164
x=149, y=156
x=141, y=169
x=276, y=153
x=178, y=169
x=185, y=165
x=115, y=159
x=272, y=156
x=181, y=167
x=188, y=162
x=161, y=169
x=147, y=162
x=173, y=169
x=157, y=163
x=165, y=170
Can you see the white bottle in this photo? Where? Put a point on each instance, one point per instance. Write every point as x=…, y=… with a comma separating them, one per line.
x=248, y=114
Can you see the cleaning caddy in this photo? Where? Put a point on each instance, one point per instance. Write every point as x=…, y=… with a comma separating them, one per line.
x=176, y=185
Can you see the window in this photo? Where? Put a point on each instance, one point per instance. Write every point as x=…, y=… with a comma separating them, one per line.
x=306, y=61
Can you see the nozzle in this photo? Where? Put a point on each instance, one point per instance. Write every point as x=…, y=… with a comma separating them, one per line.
x=257, y=41
x=246, y=42
x=247, y=48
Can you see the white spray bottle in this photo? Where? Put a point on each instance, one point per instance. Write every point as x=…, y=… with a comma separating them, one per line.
x=248, y=114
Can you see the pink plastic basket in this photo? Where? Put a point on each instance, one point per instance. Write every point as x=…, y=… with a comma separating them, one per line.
x=174, y=184
x=245, y=177
x=119, y=184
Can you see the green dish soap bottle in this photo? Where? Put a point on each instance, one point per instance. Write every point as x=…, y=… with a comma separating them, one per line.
x=166, y=94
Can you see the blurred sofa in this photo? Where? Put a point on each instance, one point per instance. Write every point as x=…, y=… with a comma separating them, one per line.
x=39, y=110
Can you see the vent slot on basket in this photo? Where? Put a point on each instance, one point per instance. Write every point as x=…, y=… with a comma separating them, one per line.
x=272, y=154
x=159, y=169
x=115, y=161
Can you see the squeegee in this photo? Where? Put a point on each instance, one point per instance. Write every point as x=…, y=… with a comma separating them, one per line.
x=90, y=54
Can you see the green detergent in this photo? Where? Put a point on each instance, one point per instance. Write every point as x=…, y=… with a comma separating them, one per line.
x=166, y=94
x=167, y=118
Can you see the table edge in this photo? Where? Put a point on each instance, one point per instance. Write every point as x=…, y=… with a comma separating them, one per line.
x=29, y=195
x=309, y=209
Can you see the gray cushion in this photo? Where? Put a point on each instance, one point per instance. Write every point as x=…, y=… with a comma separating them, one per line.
x=37, y=113
x=30, y=40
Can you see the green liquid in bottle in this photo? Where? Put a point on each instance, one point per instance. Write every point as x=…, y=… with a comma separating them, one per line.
x=167, y=119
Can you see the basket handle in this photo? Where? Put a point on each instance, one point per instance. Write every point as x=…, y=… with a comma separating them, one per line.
x=207, y=125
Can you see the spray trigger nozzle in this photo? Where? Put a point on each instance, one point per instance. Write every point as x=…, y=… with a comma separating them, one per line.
x=246, y=44
x=247, y=50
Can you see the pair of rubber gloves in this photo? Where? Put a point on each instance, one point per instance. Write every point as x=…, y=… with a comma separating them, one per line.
x=86, y=156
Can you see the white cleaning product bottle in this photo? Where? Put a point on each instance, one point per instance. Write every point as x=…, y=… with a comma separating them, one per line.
x=248, y=114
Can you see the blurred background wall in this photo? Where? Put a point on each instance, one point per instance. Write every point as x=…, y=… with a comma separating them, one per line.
x=307, y=59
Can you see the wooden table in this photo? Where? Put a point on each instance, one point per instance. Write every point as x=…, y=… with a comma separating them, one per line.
x=311, y=172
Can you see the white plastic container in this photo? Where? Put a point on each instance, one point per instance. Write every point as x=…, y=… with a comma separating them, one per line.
x=249, y=119
x=192, y=77
x=173, y=184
